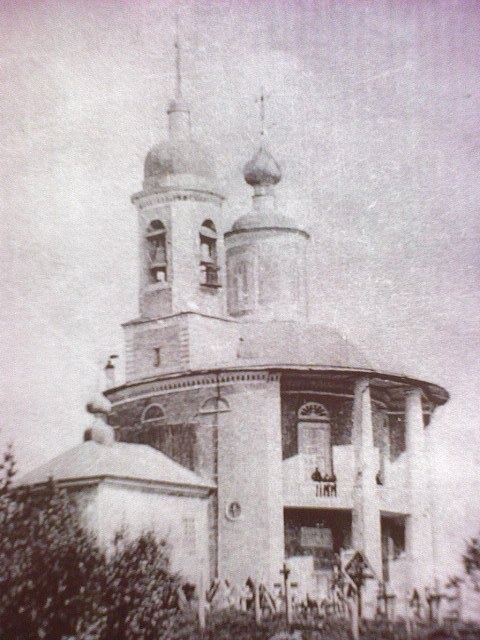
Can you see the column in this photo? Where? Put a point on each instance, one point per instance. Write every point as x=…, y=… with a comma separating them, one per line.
x=419, y=539
x=366, y=533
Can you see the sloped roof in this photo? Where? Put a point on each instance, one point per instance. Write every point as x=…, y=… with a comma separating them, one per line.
x=121, y=460
x=295, y=343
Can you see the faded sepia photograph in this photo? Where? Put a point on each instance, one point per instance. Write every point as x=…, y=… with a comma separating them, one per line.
x=240, y=320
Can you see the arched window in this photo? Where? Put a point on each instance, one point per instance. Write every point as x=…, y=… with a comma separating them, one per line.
x=153, y=415
x=214, y=405
x=313, y=411
x=157, y=251
x=208, y=254
x=314, y=438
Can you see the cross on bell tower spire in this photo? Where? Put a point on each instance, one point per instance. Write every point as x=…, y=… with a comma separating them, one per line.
x=178, y=111
x=178, y=60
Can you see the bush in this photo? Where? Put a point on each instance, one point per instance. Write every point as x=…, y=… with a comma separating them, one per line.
x=47, y=561
x=229, y=624
x=139, y=593
x=471, y=561
x=56, y=582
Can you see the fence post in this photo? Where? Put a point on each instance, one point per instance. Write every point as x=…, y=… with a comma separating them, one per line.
x=355, y=615
x=288, y=604
x=201, y=598
x=256, y=602
x=409, y=628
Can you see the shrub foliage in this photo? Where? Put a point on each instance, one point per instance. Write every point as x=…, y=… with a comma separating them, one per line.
x=471, y=561
x=139, y=592
x=57, y=583
x=47, y=561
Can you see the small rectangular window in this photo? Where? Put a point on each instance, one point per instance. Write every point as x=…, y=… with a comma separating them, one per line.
x=157, y=357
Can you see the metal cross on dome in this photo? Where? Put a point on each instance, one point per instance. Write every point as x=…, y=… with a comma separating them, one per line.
x=261, y=101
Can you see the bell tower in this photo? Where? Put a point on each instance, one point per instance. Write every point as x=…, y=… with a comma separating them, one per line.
x=180, y=224
x=181, y=250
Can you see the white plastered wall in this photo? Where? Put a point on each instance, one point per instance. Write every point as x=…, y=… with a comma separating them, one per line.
x=114, y=505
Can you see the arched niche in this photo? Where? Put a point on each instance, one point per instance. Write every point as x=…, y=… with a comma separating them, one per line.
x=156, y=241
x=153, y=415
x=208, y=254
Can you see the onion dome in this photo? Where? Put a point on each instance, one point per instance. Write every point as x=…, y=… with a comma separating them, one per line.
x=178, y=157
x=262, y=170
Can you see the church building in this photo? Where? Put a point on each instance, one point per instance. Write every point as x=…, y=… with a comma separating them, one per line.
x=288, y=443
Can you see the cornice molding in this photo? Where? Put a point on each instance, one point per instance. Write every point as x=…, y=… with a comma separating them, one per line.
x=143, y=200
x=151, y=486
x=260, y=230
x=146, y=389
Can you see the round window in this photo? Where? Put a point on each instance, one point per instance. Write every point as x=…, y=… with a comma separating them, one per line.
x=234, y=511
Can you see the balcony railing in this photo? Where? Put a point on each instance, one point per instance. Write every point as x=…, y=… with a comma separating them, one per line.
x=326, y=484
x=209, y=274
x=307, y=486
x=303, y=485
x=326, y=490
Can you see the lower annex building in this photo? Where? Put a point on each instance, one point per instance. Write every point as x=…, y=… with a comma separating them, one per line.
x=247, y=434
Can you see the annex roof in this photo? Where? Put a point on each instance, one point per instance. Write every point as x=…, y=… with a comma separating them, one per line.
x=122, y=460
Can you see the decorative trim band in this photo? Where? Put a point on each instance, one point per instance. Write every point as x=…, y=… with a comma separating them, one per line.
x=147, y=389
x=236, y=232
x=143, y=201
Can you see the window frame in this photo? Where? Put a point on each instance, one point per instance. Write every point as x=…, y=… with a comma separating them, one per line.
x=148, y=421
x=314, y=415
x=209, y=268
x=155, y=239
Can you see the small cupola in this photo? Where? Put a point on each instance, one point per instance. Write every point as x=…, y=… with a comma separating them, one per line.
x=100, y=431
x=262, y=171
x=265, y=249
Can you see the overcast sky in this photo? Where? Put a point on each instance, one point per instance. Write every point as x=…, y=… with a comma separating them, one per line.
x=373, y=115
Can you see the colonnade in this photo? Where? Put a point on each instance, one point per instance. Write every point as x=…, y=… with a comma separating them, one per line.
x=366, y=517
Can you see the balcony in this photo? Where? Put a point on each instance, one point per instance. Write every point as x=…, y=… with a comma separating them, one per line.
x=299, y=490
